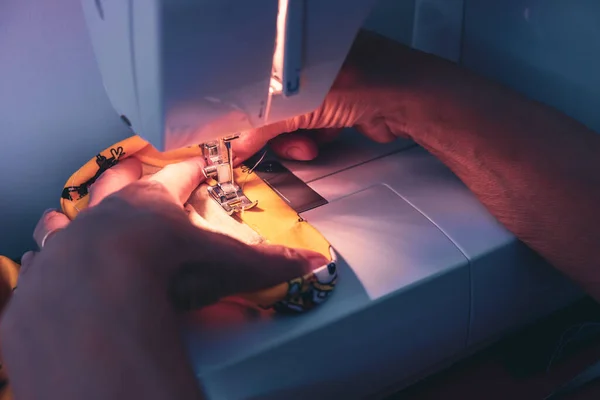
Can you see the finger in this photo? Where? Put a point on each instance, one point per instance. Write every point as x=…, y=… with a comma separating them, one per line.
x=302, y=145
x=277, y=264
x=27, y=259
x=239, y=269
x=114, y=179
x=377, y=130
x=251, y=142
x=297, y=146
x=181, y=179
x=50, y=222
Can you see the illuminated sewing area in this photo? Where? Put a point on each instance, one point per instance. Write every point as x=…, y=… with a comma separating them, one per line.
x=426, y=274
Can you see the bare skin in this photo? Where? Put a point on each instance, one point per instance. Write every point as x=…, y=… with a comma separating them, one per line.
x=94, y=315
x=535, y=169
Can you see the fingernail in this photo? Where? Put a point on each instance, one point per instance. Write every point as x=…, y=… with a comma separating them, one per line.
x=48, y=211
x=296, y=153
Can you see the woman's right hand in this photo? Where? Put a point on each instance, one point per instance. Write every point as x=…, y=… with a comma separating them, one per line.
x=365, y=96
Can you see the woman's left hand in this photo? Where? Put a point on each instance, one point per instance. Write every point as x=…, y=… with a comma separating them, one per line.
x=95, y=314
x=112, y=180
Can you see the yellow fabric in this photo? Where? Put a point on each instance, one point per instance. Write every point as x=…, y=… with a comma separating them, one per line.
x=9, y=271
x=272, y=218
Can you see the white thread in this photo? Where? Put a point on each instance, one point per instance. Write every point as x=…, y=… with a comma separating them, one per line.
x=253, y=168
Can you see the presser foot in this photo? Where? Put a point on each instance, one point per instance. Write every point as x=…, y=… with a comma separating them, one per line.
x=231, y=198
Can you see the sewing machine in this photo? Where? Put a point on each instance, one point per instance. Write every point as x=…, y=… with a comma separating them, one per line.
x=427, y=275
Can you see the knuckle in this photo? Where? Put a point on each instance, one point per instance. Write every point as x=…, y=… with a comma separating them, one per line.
x=141, y=219
x=289, y=255
x=300, y=122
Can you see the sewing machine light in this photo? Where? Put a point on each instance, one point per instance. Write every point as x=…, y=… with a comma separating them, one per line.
x=185, y=72
x=285, y=80
x=287, y=58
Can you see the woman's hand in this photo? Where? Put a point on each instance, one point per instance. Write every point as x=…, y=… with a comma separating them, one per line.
x=95, y=311
x=534, y=168
x=125, y=172
x=369, y=94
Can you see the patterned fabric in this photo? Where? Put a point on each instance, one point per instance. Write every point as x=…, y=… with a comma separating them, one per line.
x=273, y=220
x=9, y=271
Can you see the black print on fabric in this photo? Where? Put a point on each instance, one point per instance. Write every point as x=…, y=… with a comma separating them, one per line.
x=74, y=193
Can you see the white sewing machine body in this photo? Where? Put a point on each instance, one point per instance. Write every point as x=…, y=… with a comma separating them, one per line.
x=185, y=72
x=427, y=275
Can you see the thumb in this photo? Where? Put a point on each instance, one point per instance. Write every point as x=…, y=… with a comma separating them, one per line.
x=50, y=222
x=241, y=269
x=298, y=146
x=114, y=179
x=303, y=145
